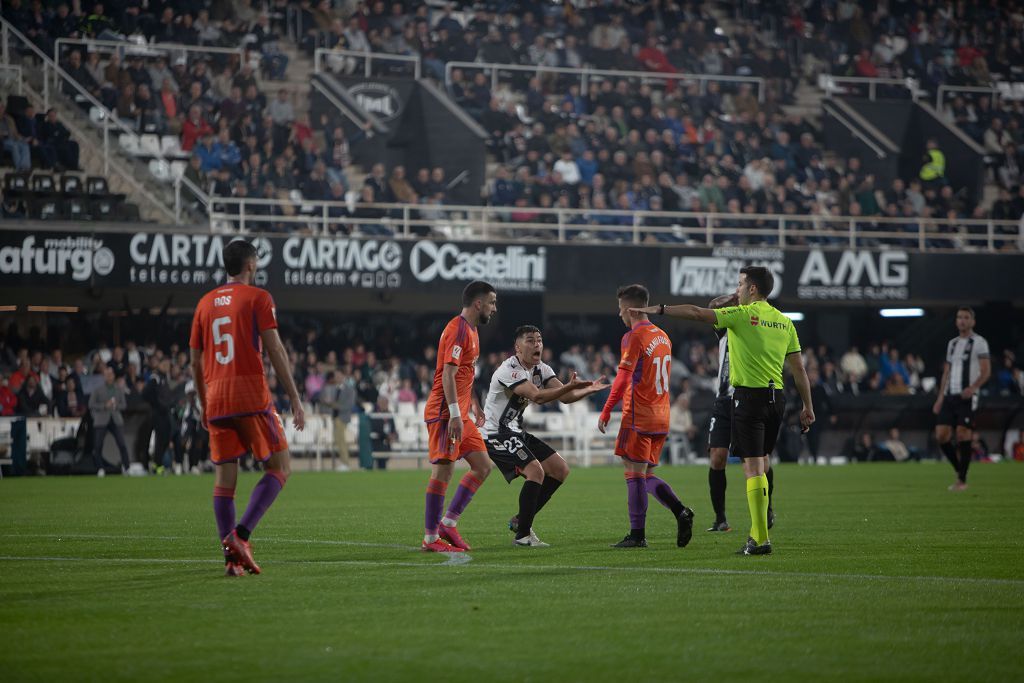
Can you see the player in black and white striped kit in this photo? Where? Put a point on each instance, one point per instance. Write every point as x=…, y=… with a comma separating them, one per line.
x=523, y=379
x=967, y=369
x=720, y=429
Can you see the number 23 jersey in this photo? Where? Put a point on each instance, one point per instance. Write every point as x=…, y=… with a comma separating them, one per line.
x=226, y=327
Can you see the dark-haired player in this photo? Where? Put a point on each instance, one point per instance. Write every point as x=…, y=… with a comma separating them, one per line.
x=642, y=384
x=231, y=327
x=523, y=378
x=761, y=341
x=967, y=368
x=453, y=435
x=720, y=430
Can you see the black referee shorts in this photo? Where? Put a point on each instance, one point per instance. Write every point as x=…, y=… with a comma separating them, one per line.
x=720, y=429
x=756, y=419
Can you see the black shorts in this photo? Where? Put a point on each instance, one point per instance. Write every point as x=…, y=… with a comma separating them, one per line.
x=720, y=429
x=756, y=419
x=957, y=411
x=512, y=451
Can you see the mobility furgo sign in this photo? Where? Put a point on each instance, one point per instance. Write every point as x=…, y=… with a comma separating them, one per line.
x=854, y=275
x=197, y=259
x=341, y=262
x=513, y=268
x=49, y=257
x=716, y=274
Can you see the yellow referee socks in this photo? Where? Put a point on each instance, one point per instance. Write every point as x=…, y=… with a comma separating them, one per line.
x=757, y=501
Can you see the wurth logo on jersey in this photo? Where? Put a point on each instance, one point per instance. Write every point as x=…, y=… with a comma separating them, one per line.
x=754, y=321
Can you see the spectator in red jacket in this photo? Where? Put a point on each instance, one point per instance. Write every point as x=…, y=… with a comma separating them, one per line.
x=8, y=400
x=23, y=372
x=195, y=128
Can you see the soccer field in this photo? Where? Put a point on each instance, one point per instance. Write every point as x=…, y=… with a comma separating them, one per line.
x=879, y=574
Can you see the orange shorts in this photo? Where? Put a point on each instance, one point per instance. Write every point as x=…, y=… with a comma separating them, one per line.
x=637, y=447
x=443, y=448
x=260, y=434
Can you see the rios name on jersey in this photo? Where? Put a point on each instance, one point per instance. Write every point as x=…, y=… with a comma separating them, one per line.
x=503, y=409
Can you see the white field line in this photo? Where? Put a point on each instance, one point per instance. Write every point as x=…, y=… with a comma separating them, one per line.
x=465, y=559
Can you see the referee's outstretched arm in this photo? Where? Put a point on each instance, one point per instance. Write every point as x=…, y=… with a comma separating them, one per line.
x=685, y=311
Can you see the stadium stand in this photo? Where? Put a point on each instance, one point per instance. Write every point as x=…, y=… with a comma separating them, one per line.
x=717, y=120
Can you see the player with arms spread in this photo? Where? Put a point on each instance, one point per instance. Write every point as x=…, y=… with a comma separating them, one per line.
x=453, y=435
x=231, y=326
x=642, y=384
x=520, y=380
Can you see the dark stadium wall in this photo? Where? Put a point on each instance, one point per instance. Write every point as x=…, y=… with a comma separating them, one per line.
x=421, y=132
x=910, y=125
x=840, y=139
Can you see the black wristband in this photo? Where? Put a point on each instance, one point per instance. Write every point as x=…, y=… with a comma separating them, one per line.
x=661, y=309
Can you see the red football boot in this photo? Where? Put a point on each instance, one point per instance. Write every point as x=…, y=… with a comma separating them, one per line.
x=241, y=551
x=451, y=534
x=440, y=546
x=233, y=569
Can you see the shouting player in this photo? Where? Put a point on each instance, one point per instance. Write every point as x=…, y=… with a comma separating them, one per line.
x=642, y=384
x=520, y=380
x=452, y=434
x=231, y=326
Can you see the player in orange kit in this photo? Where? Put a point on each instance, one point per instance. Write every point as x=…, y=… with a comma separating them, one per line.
x=642, y=384
x=452, y=434
x=230, y=327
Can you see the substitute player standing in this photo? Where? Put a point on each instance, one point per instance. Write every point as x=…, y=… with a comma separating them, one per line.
x=231, y=326
x=642, y=384
x=761, y=339
x=453, y=435
x=967, y=368
x=720, y=431
x=521, y=379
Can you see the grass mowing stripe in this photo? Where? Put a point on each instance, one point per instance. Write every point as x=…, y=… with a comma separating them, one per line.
x=463, y=560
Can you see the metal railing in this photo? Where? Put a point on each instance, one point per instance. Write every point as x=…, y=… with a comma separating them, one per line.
x=364, y=121
x=323, y=58
x=49, y=69
x=12, y=72
x=130, y=49
x=832, y=84
x=586, y=74
x=485, y=223
x=854, y=131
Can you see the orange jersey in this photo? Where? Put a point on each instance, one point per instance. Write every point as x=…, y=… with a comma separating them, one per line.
x=459, y=345
x=226, y=327
x=647, y=353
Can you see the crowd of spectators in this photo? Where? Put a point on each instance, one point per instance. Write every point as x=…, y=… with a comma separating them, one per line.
x=353, y=377
x=600, y=145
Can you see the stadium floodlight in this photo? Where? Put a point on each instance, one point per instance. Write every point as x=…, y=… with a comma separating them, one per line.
x=901, y=312
x=795, y=316
x=8, y=309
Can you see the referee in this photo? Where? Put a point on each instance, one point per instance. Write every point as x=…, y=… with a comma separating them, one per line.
x=967, y=368
x=760, y=339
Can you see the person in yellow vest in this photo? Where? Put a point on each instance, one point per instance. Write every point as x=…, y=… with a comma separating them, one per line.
x=934, y=169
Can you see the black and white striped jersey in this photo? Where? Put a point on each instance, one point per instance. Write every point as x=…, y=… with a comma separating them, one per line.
x=503, y=409
x=964, y=355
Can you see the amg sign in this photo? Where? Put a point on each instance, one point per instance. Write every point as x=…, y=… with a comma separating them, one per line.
x=855, y=275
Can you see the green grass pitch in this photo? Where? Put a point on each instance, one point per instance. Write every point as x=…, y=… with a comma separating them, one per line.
x=879, y=574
